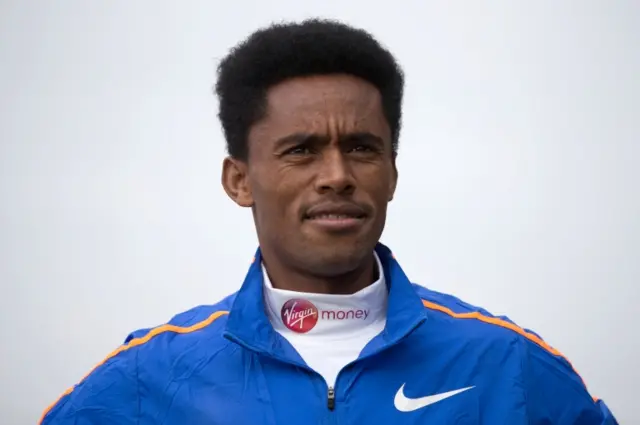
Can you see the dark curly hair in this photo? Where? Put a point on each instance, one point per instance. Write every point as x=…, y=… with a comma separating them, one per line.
x=288, y=50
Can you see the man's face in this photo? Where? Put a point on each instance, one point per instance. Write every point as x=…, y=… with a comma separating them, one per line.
x=320, y=173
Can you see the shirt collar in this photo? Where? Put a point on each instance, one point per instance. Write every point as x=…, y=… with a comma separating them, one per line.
x=248, y=322
x=327, y=315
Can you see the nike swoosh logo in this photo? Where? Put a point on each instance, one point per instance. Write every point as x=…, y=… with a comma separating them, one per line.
x=405, y=404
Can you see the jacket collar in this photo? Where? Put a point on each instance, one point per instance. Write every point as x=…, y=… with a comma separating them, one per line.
x=249, y=325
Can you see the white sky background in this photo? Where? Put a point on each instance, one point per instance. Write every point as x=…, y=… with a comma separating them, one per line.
x=519, y=170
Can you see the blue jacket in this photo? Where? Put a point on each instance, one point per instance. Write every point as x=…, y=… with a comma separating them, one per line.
x=438, y=361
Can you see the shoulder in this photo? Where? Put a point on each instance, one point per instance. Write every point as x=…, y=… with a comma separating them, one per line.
x=535, y=353
x=451, y=308
x=173, y=338
x=184, y=328
x=150, y=352
x=160, y=344
x=554, y=387
x=454, y=307
x=485, y=324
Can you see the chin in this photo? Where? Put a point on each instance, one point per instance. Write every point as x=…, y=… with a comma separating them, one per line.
x=336, y=259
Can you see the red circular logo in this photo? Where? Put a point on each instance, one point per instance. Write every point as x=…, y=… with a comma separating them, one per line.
x=299, y=315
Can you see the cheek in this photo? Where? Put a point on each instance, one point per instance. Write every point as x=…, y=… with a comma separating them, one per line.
x=378, y=184
x=276, y=197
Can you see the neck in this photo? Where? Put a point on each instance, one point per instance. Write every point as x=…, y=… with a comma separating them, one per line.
x=293, y=279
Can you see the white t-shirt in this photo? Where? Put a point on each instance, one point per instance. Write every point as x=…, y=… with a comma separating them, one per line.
x=328, y=331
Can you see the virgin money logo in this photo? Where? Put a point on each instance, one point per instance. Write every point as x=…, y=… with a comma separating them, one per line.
x=299, y=315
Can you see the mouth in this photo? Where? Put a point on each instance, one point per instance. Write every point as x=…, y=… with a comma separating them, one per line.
x=335, y=212
x=336, y=217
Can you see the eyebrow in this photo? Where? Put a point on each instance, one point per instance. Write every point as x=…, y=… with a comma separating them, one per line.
x=361, y=136
x=303, y=138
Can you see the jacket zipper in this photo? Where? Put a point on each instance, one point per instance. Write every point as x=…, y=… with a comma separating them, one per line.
x=331, y=399
x=331, y=393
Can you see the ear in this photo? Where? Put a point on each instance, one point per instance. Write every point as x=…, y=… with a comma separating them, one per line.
x=393, y=183
x=235, y=181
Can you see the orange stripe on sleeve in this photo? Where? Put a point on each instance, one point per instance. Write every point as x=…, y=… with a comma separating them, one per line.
x=505, y=324
x=139, y=341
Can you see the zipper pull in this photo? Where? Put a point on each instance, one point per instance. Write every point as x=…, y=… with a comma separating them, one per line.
x=331, y=399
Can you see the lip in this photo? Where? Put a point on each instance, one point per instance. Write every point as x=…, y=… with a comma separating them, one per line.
x=336, y=217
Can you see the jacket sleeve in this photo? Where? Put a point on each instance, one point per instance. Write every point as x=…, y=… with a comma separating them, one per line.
x=107, y=395
x=556, y=394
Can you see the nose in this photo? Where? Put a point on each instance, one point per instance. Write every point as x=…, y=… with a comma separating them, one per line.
x=335, y=174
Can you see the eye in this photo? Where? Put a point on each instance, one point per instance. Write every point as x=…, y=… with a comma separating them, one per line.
x=362, y=148
x=298, y=150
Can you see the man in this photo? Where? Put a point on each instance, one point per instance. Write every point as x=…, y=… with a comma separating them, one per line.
x=326, y=327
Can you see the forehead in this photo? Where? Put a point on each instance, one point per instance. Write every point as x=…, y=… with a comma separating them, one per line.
x=328, y=104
